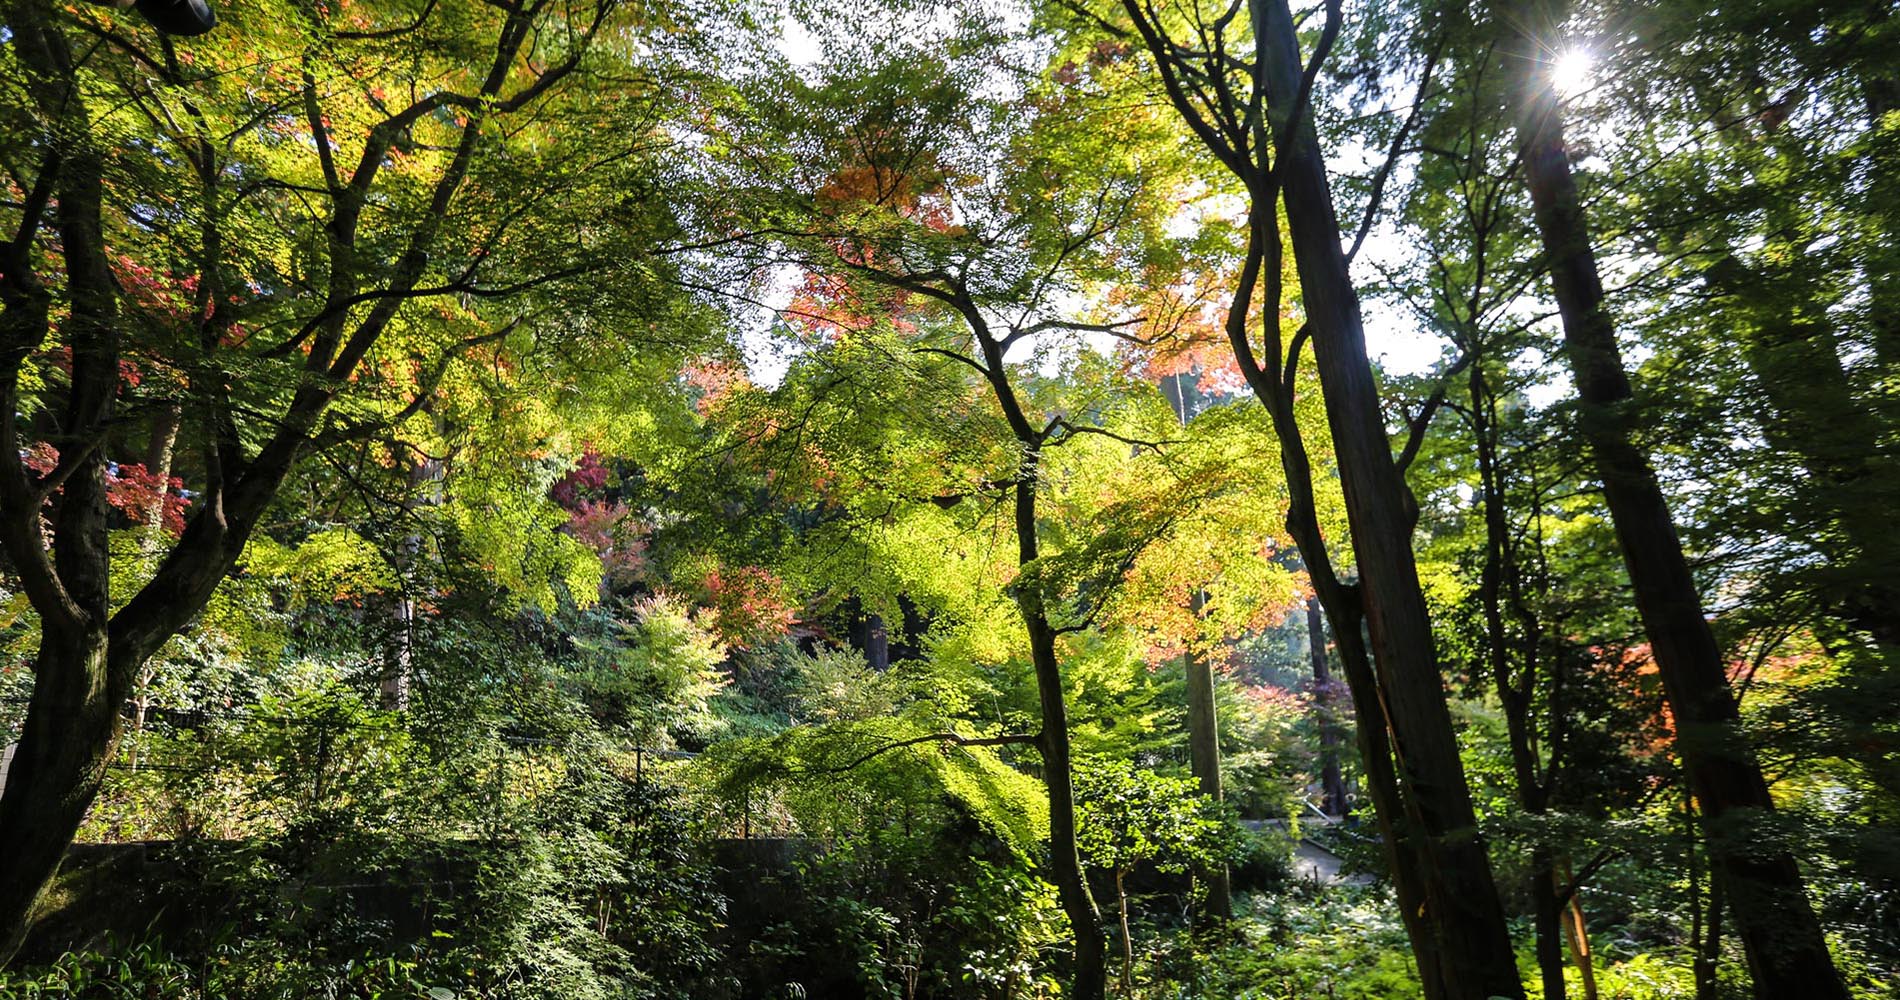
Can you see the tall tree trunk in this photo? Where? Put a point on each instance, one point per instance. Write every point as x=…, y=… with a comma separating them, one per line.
x=1532, y=778
x=1128, y=940
x=1786, y=950
x=1411, y=852
x=73, y=716
x=1467, y=920
x=1332, y=784
x=1204, y=761
x=1547, y=920
x=1065, y=857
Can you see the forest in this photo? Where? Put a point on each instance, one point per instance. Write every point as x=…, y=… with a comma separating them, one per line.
x=950, y=499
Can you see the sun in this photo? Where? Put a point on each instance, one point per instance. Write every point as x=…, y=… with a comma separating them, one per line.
x=1570, y=72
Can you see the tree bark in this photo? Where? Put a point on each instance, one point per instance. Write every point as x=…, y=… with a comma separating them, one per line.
x=73, y=716
x=1467, y=920
x=1547, y=919
x=1332, y=784
x=1786, y=950
x=1065, y=858
x=1533, y=779
x=1412, y=855
x=1577, y=934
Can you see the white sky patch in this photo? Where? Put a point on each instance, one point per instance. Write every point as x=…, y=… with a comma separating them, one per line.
x=768, y=352
x=798, y=44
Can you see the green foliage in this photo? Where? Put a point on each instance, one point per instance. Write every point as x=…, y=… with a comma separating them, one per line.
x=1127, y=816
x=865, y=774
x=656, y=678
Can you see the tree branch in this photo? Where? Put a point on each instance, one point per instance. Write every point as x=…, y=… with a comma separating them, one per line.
x=1010, y=739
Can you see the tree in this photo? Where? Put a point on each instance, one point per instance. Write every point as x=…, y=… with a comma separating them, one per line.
x=1131, y=817
x=1245, y=93
x=1787, y=953
x=347, y=203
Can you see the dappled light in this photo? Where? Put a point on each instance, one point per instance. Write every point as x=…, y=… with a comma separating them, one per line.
x=949, y=500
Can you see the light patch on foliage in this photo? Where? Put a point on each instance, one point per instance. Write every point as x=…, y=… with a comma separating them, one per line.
x=331, y=565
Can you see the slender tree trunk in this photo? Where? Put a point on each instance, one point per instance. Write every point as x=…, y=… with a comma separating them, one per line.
x=1547, y=921
x=1065, y=858
x=1786, y=950
x=1332, y=784
x=158, y=464
x=1577, y=934
x=1204, y=761
x=1474, y=945
x=1515, y=690
x=1128, y=940
x=399, y=652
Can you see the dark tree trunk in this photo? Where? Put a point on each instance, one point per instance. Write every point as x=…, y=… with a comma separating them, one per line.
x=1446, y=897
x=56, y=768
x=877, y=643
x=1786, y=950
x=1467, y=920
x=1547, y=921
x=73, y=716
x=1332, y=784
x=1065, y=858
